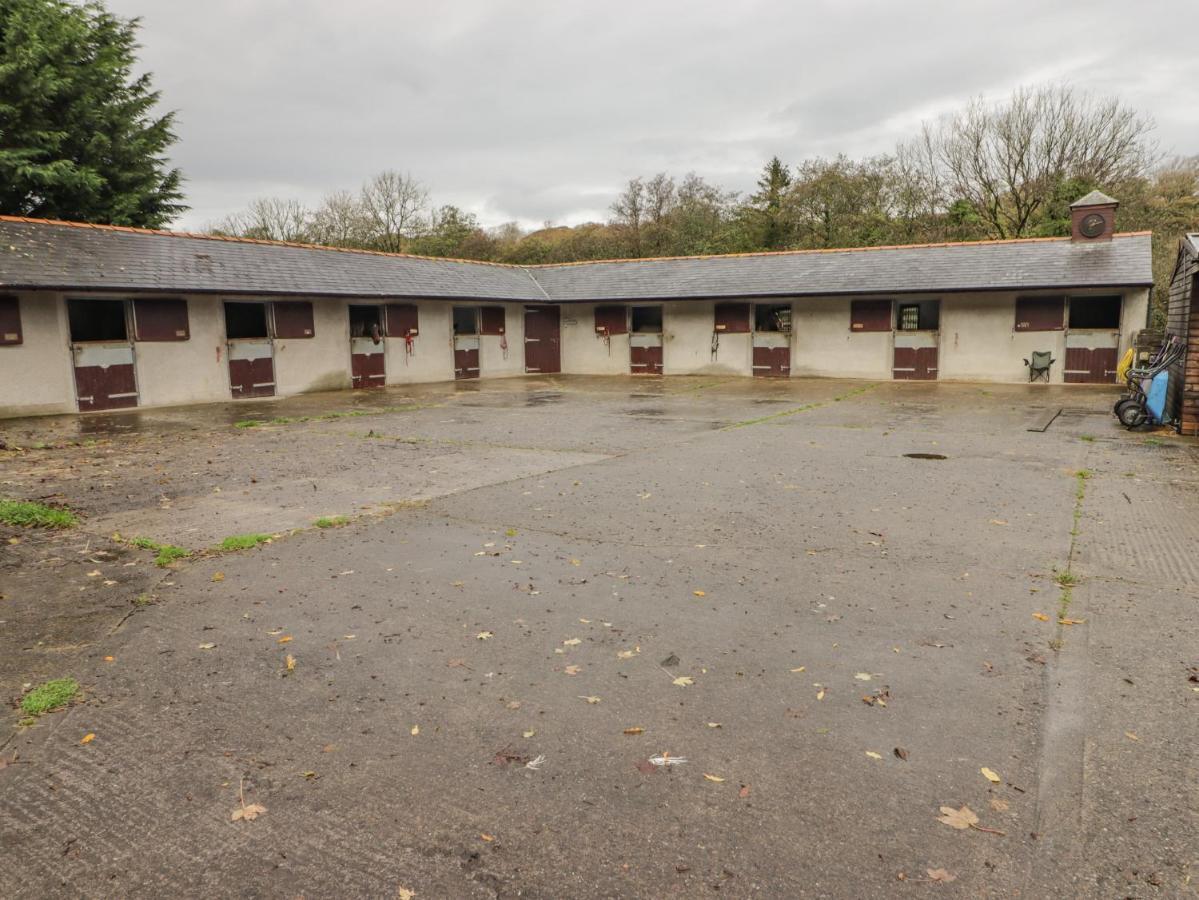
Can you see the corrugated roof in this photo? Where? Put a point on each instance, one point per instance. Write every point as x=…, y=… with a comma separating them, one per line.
x=1001, y=265
x=48, y=255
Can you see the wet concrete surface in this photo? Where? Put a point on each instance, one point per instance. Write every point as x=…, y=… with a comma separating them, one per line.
x=517, y=547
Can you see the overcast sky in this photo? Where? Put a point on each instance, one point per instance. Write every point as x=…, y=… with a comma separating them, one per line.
x=539, y=110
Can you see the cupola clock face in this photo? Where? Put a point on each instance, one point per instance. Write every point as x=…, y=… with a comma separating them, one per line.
x=1092, y=225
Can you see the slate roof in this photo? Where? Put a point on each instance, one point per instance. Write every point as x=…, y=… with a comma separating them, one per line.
x=1125, y=260
x=1095, y=198
x=38, y=254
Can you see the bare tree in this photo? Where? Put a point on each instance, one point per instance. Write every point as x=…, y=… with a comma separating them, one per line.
x=1007, y=159
x=395, y=205
x=340, y=221
x=268, y=219
x=628, y=214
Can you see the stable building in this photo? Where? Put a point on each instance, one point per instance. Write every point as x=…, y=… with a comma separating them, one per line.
x=1182, y=320
x=101, y=317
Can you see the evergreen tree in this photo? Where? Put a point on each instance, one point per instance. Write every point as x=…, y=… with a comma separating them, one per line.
x=78, y=136
x=767, y=206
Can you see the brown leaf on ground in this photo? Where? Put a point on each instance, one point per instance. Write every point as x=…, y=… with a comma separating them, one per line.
x=941, y=876
x=960, y=819
x=901, y=753
x=1040, y=617
x=744, y=792
x=573, y=670
x=999, y=805
x=645, y=767
x=636, y=729
x=248, y=813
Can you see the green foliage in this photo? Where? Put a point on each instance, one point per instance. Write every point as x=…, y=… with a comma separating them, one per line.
x=243, y=541
x=167, y=553
x=49, y=696
x=31, y=515
x=78, y=136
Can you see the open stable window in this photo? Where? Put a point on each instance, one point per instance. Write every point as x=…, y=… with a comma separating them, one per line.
x=611, y=320
x=493, y=320
x=466, y=320
x=732, y=318
x=293, y=319
x=10, y=321
x=245, y=320
x=402, y=320
x=1040, y=313
x=97, y=320
x=1100, y=313
x=646, y=319
x=366, y=321
x=772, y=317
x=870, y=315
x=160, y=320
x=923, y=315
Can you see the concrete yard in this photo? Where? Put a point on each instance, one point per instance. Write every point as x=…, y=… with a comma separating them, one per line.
x=750, y=575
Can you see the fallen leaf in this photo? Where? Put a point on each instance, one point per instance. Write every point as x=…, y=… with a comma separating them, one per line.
x=290, y=662
x=744, y=792
x=700, y=593
x=960, y=819
x=665, y=759
x=528, y=734
x=536, y=762
x=573, y=670
x=110, y=659
x=715, y=725
x=572, y=642
x=95, y=573
x=585, y=621
x=683, y=681
x=402, y=893
x=207, y=646
x=820, y=694
x=636, y=729
x=999, y=805
x=1040, y=617
x=1071, y=621
x=415, y=730
x=485, y=635
x=487, y=837
x=591, y=699
x=286, y=639
x=715, y=778
x=998, y=522
x=1131, y=736
x=248, y=813
x=626, y=654
x=309, y=774
x=874, y=755
x=218, y=576
x=901, y=753
x=941, y=876
x=575, y=562
x=862, y=676
x=990, y=775
x=800, y=669
x=88, y=738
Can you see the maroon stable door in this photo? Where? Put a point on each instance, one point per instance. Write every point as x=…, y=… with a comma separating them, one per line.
x=915, y=364
x=543, y=352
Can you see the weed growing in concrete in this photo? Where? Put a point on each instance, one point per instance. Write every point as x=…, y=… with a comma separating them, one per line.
x=331, y=521
x=243, y=541
x=1086, y=437
x=167, y=553
x=1066, y=579
x=35, y=515
x=49, y=696
x=327, y=417
x=1152, y=442
x=141, y=601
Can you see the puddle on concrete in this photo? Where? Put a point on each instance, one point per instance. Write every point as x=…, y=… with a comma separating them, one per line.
x=543, y=398
x=652, y=411
x=925, y=456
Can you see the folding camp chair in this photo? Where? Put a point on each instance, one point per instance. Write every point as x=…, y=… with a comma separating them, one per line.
x=1038, y=365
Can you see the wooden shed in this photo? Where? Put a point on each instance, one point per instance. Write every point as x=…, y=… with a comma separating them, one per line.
x=1182, y=319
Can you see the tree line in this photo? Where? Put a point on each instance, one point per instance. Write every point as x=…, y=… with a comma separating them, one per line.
x=989, y=171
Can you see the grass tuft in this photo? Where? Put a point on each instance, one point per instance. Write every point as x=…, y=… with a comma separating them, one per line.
x=167, y=553
x=35, y=515
x=331, y=521
x=49, y=696
x=243, y=541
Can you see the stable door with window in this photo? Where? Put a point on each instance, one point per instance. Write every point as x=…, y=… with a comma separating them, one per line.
x=102, y=354
x=251, y=353
x=1092, y=340
x=543, y=352
x=917, y=341
x=368, y=356
x=466, y=342
x=645, y=340
x=772, y=340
